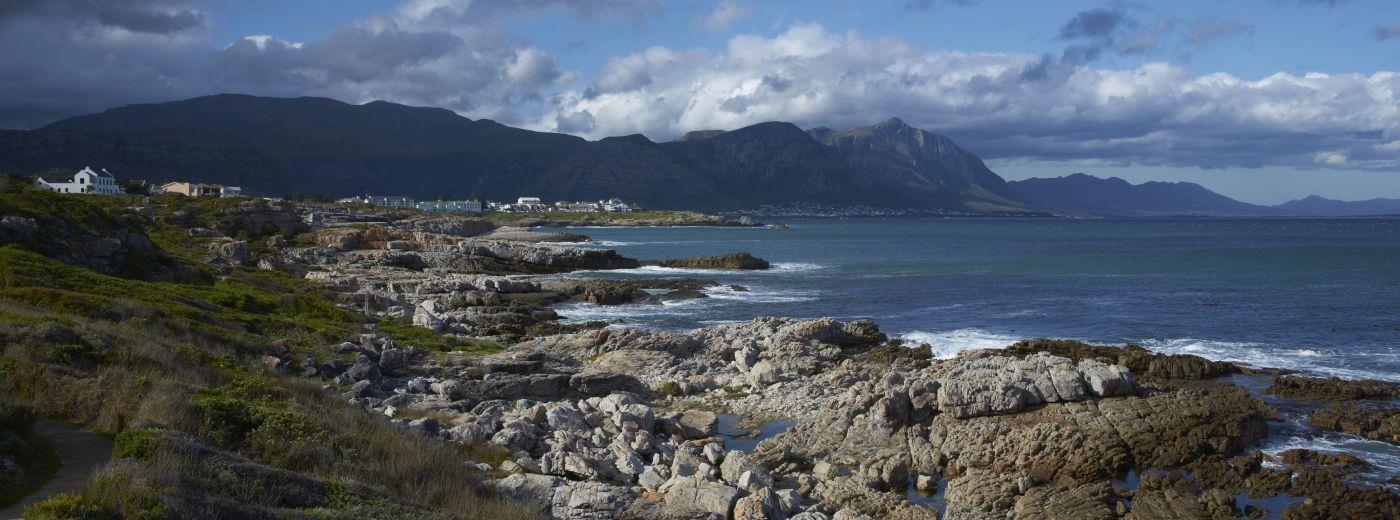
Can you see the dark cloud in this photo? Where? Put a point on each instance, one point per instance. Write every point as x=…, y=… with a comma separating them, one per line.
x=84, y=56
x=926, y=5
x=1206, y=30
x=1386, y=32
x=1096, y=24
x=148, y=16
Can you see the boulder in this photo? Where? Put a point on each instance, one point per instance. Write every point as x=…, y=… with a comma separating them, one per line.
x=697, y=493
x=698, y=424
x=393, y=362
x=589, y=501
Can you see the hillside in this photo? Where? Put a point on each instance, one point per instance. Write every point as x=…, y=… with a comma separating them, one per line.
x=1319, y=206
x=145, y=342
x=1085, y=194
x=282, y=146
x=920, y=168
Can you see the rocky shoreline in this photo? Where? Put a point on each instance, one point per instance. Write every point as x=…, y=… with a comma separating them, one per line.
x=778, y=418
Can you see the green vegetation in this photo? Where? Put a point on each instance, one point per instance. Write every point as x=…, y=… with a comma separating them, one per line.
x=170, y=367
x=671, y=388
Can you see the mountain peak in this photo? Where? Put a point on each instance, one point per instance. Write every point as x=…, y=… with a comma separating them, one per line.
x=893, y=122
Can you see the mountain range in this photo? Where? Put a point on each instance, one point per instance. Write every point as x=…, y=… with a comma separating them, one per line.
x=319, y=146
x=284, y=146
x=1082, y=194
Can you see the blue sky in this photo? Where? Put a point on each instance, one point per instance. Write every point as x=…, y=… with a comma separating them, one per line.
x=1263, y=100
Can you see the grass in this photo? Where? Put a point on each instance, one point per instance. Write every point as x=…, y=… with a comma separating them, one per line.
x=170, y=369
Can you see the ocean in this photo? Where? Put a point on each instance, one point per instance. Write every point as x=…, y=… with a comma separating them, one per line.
x=1321, y=296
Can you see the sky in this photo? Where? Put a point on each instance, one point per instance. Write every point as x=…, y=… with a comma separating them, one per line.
x=1262, y=100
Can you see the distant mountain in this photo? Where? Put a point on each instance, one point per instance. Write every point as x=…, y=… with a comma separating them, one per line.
x=1088, y=195
x=1317, y=206
x=285, y=146
x=1085, y=194
x=921, y=168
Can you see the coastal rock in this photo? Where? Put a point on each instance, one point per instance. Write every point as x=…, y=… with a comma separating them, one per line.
x=1371, y=421
x=743, y=261
x=589, y=501
x=989, y=385
x=1140, y=361
x=1332, y=388
x=697, y=424
x=697, y=493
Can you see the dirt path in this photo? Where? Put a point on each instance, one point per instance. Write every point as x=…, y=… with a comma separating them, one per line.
x=81, y=452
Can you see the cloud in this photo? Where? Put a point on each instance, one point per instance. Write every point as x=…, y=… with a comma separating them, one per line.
x=925, y=5
x=1000, y=105
x=1101, y=31
x=1386, y=32
x=88, y=55
x=1207, y=30
x=724, y=14
x=141, y=16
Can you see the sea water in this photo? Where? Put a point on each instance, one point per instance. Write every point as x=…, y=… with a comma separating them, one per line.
x=1320, y=296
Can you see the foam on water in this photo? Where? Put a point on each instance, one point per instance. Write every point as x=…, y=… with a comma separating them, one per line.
x=795, y=266
x=758, y=294
x=946, y=344
x=582, y=311
x=593, y=243
x=1383, y=457
x=1307, y=360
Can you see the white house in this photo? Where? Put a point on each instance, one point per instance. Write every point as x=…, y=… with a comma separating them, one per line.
x=527, y=200
x=615, y=204
x=384, y=201
x=230, y=191
x=461, y=206
x=85, y=181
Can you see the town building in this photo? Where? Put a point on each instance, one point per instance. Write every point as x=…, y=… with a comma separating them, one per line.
x=460, y=206
x=615, y=205
x=578, y=207
x=191, y=189
x=383, y=201
x=86, y=180
x=527, y=205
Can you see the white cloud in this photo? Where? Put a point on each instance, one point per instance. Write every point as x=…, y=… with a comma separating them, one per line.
x=724, y=14
x=999, y=105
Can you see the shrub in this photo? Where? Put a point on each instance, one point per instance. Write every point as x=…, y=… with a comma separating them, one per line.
x=137, y=443
x=671, y=388
x=64, y=506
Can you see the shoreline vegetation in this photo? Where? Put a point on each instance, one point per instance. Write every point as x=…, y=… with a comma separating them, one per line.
x=255, y=358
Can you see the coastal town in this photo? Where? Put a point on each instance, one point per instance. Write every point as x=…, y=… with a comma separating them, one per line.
x=102, y=182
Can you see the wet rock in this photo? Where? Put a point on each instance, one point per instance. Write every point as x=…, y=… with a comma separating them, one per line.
x=1140, y=361
x=1372, y=421
x=742, y=261
x=1332, y=388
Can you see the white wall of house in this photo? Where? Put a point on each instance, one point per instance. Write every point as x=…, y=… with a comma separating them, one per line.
x=86, y=180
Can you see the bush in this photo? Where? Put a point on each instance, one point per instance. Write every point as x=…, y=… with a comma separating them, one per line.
x=64, y=506
x=671, y=388
x=139, y=443
x=15, y=415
